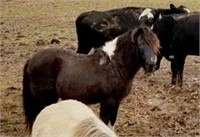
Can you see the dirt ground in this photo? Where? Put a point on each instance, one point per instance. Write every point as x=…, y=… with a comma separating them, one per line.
x=153, y=107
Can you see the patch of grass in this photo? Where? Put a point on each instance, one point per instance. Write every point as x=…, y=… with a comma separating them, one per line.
x=47, y=18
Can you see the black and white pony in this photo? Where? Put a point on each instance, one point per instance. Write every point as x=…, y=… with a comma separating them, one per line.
x=69, y=118
x=94, y=28
x=104, y=76
x=179, y=37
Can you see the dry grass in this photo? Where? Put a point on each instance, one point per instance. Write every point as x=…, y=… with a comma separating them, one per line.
x=153, y=108
x=46, y=19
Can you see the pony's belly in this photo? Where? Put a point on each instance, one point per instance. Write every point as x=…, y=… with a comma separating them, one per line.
x=83, y=95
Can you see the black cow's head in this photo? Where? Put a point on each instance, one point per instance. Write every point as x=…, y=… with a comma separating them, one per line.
x=148, y=16
x=163, y=28
x=180, y=9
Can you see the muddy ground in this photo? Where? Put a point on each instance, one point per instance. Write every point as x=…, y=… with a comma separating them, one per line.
x=153, y=107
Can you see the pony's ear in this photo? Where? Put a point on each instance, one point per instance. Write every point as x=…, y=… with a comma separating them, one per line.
x=136, y=33
x=172, y=6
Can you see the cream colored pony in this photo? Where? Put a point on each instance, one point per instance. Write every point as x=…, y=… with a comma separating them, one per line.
x=69, y=118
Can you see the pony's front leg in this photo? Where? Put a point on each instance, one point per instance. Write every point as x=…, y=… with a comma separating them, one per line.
x=108, y=112
x=113, y=114
x=104, y=112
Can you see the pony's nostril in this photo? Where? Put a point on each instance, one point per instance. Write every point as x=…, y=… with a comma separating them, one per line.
x=149, y=67
x=146, y=64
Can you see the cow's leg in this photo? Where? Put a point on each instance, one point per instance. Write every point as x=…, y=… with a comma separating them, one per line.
x=181, y=63
x=180, y=78
x=174, y=72
x=159, y=58
x=177, y=66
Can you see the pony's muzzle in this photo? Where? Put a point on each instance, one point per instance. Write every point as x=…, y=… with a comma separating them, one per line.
x=150, y=67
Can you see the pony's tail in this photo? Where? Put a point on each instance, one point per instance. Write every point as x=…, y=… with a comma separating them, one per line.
x=33, y=104
x=29, y=104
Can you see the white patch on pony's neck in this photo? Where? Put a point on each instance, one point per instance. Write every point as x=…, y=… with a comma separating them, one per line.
x=188, y=11
x=146, y=12
x=102, y=61
x=110, y=47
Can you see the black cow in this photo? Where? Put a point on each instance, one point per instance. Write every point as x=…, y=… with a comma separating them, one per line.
x=179, y=37
x=94, y=28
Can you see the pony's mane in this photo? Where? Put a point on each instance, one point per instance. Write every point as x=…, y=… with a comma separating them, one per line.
x=151, y=38
x=126, y=38
x=90, y=128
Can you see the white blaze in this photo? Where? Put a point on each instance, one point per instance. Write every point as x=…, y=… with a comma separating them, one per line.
x=154, y=59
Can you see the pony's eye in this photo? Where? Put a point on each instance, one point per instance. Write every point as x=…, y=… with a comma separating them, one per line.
x=141, y=48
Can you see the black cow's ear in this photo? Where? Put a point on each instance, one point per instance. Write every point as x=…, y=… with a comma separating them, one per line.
x=158, y=15
x=136, y=33
x=172, y=6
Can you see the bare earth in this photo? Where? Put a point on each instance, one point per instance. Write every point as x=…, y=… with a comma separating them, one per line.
x=153, y=107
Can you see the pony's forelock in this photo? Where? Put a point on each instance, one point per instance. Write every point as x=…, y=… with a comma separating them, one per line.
x=151, y=38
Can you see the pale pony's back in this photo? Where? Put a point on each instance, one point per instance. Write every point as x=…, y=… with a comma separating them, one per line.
x=69, y=118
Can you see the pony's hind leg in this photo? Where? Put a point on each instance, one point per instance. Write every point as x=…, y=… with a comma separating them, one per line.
x=38, y=102
x=48, y=97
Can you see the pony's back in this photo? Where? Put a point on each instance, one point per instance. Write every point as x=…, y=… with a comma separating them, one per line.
x=69, y=118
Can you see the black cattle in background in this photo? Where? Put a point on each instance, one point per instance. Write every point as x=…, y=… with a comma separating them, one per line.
x=179, y=37
x=94, y=28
